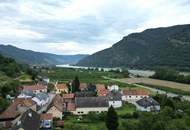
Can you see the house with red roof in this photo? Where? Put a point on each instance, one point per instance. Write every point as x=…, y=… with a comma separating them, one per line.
x=134, y=94
x=18, y=106
x=101, y=90
x=38, y=88
x=46, y=120
x=68, y=97
x=61, y=88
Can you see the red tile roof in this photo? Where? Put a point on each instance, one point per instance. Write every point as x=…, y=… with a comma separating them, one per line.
x=48, y=116
x=100, y=87
x=34, y=87
x=61, y=86
x=68, y=96
x=135, y=92
x=83, y=86
x=71, y=107
x=58, y=103
x=101, y=90
x=12, y=111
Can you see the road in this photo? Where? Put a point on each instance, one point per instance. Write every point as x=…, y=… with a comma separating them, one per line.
x=44, y=108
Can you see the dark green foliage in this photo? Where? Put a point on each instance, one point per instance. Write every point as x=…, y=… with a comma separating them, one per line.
x=112, y=119
x=9, y=67
x=75, y=85
x=31, y=57
x=146, y=50
x=167, y=119
x=171, y=75
x=3, y=104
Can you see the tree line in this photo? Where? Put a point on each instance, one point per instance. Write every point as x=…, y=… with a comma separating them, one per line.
x=171, y=75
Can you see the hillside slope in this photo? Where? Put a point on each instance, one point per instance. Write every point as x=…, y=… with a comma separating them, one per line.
x=31, y=57
x=151, y=48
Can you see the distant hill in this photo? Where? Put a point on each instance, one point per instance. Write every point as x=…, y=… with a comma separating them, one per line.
x=32, y=57
x=169, y=46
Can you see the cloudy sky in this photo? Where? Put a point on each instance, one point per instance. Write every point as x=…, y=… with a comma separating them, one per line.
x=83, y=26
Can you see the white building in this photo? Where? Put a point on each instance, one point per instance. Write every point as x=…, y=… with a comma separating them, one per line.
x=38, y=88
x=114, y=99
x=41, y=99
x=113, y=88
x=132, y=95
x=147, y=104
x=26, y=94
x=84, y=105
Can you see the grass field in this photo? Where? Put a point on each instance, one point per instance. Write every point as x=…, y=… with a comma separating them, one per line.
x=71, y=122
x=87, y=76
x=161, y=83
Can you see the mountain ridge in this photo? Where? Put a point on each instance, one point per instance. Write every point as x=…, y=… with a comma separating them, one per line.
x=41, y=58
x=151, y=48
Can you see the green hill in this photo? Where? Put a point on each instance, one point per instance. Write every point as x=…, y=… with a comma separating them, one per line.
x=32, y=57
x=169, y=47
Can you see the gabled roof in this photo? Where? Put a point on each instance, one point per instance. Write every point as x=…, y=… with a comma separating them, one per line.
x=114, y=96
x=134, y=92
x=83, y=86
x=34, y=87
x=69, y=96
x=28, y=93
x=61, y=86
x=88, y=102
x=12, y=111
x=71, y=106
x=58, y=103
x=147, y=102
x=47, y=116
x=100, y=87
x=85, y=94
x=30, y=120
x=41, y=96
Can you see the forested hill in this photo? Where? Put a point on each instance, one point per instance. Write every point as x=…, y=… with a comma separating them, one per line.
x=169, y=46
x=32, y=57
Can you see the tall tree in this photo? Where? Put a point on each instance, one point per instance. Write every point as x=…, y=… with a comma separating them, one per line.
x=76, y=84
x=112, y=119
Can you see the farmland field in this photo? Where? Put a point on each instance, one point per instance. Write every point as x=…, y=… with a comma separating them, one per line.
x=170, y=84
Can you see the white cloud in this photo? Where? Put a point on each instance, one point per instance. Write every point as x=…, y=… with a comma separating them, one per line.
x=76, y=48
x=83, y=26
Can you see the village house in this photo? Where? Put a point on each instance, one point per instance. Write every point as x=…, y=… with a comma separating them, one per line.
x=41, y=99
x=30, y=120
x=134, y=94
x=85, y=94
x=11, y=115
x=71, y=107
x=45, y=79
x=26, y=94
x=46, y=121
x=38, y=88
x=114, y=88
x=84, y=105
x=101, y=90
x=68, y=97
x=56, y=108
x=83, y=86
x=147, y=104
x=114, y=99
x=61, y=88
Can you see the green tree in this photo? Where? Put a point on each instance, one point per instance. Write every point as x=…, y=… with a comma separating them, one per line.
x=112, y=119
x=76, y=84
